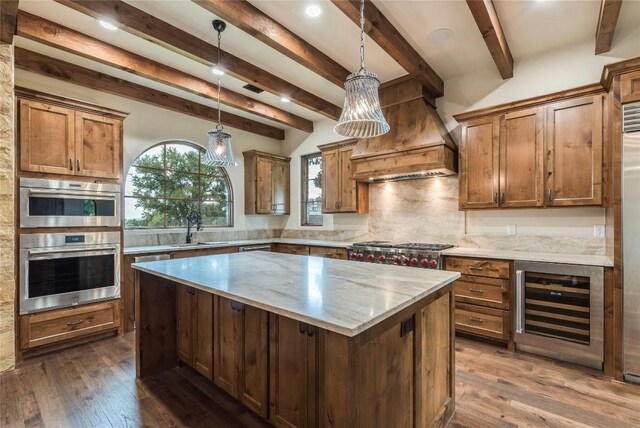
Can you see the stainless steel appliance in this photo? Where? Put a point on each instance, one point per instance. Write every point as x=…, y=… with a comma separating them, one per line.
x=631, y=240
x=560, y=311
x=410, y=254
x=259, y=247
x=65, y=269
x=61, y=203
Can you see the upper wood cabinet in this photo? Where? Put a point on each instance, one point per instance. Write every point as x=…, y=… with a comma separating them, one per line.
x=266, y=181
x=341, y=194
x=521, y=159
x=479, y=163
x=630, y=87
x=574, y=152
x=549, y=155
x=63, y=138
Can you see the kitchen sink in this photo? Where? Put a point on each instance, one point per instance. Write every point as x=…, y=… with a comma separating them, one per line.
x=199, y=244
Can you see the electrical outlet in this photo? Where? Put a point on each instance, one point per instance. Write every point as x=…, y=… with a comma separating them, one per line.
x=598, y=230
x=511, y=229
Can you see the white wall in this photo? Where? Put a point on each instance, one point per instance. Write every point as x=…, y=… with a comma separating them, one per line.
x=147, y=125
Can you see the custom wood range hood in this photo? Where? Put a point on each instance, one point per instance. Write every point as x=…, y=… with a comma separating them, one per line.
x=418, y=144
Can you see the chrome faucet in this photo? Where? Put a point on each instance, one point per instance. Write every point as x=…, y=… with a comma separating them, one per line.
x=194, y=217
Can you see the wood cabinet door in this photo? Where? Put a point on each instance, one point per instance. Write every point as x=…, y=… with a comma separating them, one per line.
x=479, y=164
x=280, y=187
x=292, y=373
x=348, y=194
x=227, y=348
x=203, y=342
x=330, y=180
x=521, y=159
x=186, y=328
x=254, y=367
x=264, y=186
x=574, y=152
x=46, y=138
x=98, y=143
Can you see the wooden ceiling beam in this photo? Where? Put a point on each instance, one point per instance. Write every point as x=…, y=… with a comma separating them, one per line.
x=148, y=27
x=485, y=15
x=607, y=21
x=8, y=15
x=61, y=70
x=58, y=36
x=382, y=31
x=242, y=14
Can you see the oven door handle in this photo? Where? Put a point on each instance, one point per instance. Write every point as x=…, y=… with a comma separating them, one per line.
x=70, y=194
x=70, y=250
x=520, y=301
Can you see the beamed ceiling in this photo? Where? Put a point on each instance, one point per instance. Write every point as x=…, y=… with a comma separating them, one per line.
x=163, y=52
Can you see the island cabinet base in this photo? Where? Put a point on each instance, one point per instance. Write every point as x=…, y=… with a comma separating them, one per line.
x=397, y=373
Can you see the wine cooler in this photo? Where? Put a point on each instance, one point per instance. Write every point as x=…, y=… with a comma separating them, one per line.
x=560, y=311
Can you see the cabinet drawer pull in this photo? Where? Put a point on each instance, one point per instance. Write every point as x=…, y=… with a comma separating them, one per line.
x=476, y=267
x=476, y=290
x=72, y=323
x=475, y=319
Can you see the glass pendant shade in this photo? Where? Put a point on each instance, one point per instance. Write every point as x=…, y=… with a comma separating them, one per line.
x=361, y=115
x=219, y=152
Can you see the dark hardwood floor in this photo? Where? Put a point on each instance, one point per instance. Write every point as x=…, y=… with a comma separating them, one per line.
x=94, y=386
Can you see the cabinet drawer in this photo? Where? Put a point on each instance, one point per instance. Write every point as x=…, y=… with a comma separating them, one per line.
x=493, y=292
x=301, y=250
x=478, y=267
x=493, y=323
x=330, y=253
x=59, y=325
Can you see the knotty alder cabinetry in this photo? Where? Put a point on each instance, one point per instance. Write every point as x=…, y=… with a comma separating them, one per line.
x=266, y=183
x=399, y=372
x=546, y=155
x=483, y=297
x=341, y=194
x=59, y=137
x=305, y=250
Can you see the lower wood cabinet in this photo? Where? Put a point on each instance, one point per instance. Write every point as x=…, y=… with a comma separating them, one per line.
x=329, y=252
x=301, y=250
x=241, y=352
x=483, y=297
x=62, y=325
x=195, y=329
x=293, y=373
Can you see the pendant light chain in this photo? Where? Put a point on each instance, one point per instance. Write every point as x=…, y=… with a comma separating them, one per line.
x=219, y=126
x=361, y=35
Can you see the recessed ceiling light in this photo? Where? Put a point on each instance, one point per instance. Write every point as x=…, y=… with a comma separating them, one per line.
x=313, y=10
x=217, y=71
x=285, y=99
x=440, y=36
x=107, y=25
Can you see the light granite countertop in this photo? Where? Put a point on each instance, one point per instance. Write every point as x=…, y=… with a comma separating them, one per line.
x=336, y=295
x=576, y=259
x=179, y=247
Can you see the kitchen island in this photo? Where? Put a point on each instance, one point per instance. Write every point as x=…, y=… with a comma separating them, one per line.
x=304, y=341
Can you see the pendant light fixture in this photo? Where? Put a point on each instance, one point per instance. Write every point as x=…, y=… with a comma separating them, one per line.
x=361, y=115
x=219, y=152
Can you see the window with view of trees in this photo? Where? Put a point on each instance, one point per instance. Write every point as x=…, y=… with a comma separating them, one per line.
x=312, y=190
x=169, y=181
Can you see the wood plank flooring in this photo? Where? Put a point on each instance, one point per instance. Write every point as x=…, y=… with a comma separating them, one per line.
x=94, y=385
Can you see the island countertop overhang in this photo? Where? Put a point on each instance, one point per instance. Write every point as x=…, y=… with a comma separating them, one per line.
x=337, y=295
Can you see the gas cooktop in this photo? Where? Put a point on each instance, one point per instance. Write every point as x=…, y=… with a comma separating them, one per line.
x=405, y=245
x=411, y=254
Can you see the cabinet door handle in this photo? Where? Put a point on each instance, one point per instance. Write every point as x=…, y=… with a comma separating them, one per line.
x=78, y=164
x=70, y=164
x=336, y=205
x=302, y=328
x=502, y=198
x=191, y=291
x=310, y=332
x=475, y=319
x=550, y=195
x=476, y=290
x=72, y=323
x=236, y=306
x=495, y=198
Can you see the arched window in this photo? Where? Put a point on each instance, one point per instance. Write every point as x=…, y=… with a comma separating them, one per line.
x=168, y=181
